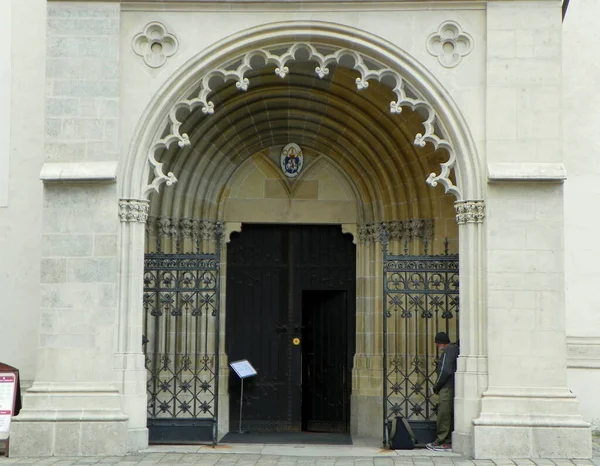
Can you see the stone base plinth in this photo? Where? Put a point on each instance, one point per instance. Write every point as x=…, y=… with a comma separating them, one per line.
x=366, y=416
x=462, y=444
x=531, y=423
x=68, y=438
x=138, y=439
x=532, y=442
x=70, y=420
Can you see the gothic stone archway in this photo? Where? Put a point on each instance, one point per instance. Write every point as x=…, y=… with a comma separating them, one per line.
x=374, y=64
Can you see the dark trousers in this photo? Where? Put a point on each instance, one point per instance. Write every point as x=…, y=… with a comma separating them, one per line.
x=445, y=415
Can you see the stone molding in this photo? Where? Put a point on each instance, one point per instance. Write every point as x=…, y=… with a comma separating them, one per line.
x=350, y=229
x=155, y=44
x=527, y=171
x=402, y=229
x=449, y=44
x=176, y=228
x=78, y=171
x=469, y=212
x=133, y=210
x=369, y=69
x=583, y=352
x=231, y=227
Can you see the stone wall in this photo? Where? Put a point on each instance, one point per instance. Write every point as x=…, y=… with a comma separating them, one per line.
x=74, y=407
x=21, y=157
x=581, y=147
x=527, y=391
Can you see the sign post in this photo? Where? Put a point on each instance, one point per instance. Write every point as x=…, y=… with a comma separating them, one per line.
x=243, y=369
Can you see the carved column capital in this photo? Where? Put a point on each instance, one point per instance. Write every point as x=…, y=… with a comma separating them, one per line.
x=133, y=210
x=397, y=229
x=469, y=211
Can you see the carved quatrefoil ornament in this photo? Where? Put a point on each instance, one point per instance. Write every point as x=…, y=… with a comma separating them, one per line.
x=449, y=44
x=155, y=44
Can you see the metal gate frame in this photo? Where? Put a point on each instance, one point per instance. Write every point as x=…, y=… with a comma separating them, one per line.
x=422, y=287
x=183, y=375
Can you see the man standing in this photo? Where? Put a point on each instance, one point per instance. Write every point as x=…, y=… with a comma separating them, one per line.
x=444, y=387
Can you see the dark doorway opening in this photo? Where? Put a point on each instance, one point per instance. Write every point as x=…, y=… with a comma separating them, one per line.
x=291, y=293
x=325, y=364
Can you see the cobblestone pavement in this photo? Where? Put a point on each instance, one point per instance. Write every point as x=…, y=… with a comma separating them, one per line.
x=336, y=456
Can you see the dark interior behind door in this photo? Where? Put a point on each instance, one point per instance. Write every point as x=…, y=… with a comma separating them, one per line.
x=325, y=363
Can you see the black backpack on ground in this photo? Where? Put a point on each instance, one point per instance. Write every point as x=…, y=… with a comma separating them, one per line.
x=404, y=437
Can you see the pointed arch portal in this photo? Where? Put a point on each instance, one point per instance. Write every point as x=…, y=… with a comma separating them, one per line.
x=375, y=128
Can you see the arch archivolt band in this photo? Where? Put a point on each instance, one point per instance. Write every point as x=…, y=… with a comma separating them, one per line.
x=323, y=46
x=402, y=89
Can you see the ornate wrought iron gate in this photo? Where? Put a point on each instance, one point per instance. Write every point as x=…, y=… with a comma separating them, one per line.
x=181, y=336
x=420, y=298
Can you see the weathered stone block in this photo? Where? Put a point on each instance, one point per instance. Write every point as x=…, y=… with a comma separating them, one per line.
x=54, y=270
x=67, y=437
x=108, y=108
x=61, y=152
x=66, y=245
x=104, y=438
x=105, y=245
x=81, y=88
x=70, y=10
x=83, y=128
x=80, y=47
x=62, y=107
x=67, y=220
x=92, y=270
x=53, y=127
x=64, y=341
x=81, y=69
x=83, y=26
x=31, y=439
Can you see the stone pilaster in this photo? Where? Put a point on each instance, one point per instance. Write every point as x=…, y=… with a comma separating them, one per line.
x=129, y=358
x=527, y=409
x=73, y=407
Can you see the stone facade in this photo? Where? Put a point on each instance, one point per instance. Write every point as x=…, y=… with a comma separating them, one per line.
x=580, y=113
x=132, y=128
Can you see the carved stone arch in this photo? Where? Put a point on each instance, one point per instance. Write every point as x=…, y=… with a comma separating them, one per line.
x=374, y=59
x=415, y=87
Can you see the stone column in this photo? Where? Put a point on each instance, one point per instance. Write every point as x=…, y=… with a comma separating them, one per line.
x=367, y=399
x=129, y=358
x=471, y=376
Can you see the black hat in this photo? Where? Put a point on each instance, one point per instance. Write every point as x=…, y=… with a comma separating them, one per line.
x=442, y=337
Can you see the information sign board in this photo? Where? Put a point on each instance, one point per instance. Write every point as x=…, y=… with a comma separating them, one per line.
x=243, y=368
x=8, y=385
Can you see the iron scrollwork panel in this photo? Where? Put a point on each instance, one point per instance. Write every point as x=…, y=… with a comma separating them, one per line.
x=181, y=309
x=421, y=298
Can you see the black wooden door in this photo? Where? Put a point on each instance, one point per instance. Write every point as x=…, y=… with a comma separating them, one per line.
x=325, y=374
x=268, y=268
